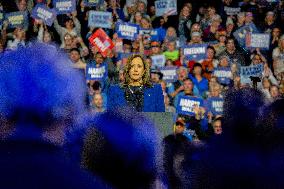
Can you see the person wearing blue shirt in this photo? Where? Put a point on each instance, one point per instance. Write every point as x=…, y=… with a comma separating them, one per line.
x=137, y=91
x=200, y=82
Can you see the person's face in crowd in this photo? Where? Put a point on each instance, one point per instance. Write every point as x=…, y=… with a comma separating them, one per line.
x=20, y=33
x=155, y=49
x=217, y=127
x=152, y=10
x=188, y=85
x=216, y=23
x=171, y=32
x=229, y=28
x=249, y=18
x=234, y=68
x=155, y=78
x=210, y=53
x=166, y=100
x=197, y=70
x=164, y=86
x=99, y=58
x=179, y=128
x=69, y=24
x=211, y=11
x=68, y=39
x=46, y=37
x=196, y=39
x=137, y=69
x=195, y=27
x=182, y=74
x=162, y=21
x=274, y=92
x=171, y=46
x=22, y=5
x=276, y=32
x=185, y=12
x=149, y=61
x=222, y=38
x=227, y=2
x=145, y=24
x=270, y=18
x=230, y=45
x=224, y=62
x=75, y=56
x=241, y=19
x=138, y=17
x=169, y=63
x=265, y=83
x=127, y=48
x=141, y=7
x=121, y=76
x=98, y=101
x=215, y=91
x=113, y=3
x=213, y=80
x=256, y=59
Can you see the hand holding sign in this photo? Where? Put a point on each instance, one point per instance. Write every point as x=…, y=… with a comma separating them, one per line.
x=102, y=41
x=187, y=105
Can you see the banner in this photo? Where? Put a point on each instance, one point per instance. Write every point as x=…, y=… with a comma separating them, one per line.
x=151, y=35
x=224, y=75
x=127, y=30
x=96, y=73
x=241, y=33
x=187, y=103
x=44, y=13
x=100, y=19
x=231, y=11
x=258, y=40
x=158, y=61
x=92, y=3
x=16, y=19
x=166, y=7
x=250, y=71
x=195, y=52
x=64, y=6
x=215, y=105
x=170, y=73
x=102, y=41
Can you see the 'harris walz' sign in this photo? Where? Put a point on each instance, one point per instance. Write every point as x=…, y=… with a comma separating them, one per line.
x=195, y=52
x=96, y=73
x=127, y=30
x=44, y=13
x=186, y=104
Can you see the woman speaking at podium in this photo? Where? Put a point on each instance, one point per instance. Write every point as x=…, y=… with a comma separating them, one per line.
x=137, y=91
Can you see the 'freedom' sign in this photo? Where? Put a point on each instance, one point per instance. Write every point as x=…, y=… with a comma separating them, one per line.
x=96, y=73
x=169, y=73
x=44, y=13
x=16, y=19
x=102, y=41
x=127, y=30
x=258, y=40
x=166, y=7
x=223, y=75
x=100, y=19
x=231, y=11
x=250, y=71
x=215, y=105
x=92, y=3
x=64, y=6
x=195, y=52
x=186, y=104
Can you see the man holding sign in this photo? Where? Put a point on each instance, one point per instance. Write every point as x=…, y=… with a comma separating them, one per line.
x=186, y=105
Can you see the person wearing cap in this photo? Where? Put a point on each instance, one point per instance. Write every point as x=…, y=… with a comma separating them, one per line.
x=155, y=48
x=195, y=38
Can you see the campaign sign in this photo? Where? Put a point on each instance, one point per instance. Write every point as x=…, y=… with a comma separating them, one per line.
x=215, y=105
x=250, y=71
x=223, y=75
x=231, y=11
x=158, y=61
x=186, y=104
x=102, y=41
x=195, y=52
x=64, y=6
x=258, y=40
x=44, y=13
x=16, y=19
x=100, y=19
x=96, y=73
x=92, y=3
x=169, y=73
x=151, y=35
x=166, y=7
x=241, y=34
x=127, y=30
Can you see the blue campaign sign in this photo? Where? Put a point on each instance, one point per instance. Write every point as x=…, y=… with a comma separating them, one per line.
x=241, y=34
x=166, y=7
x=16, y=19
x=169, y=73
x=224, y=75
x=44, y=13
x=149, y=34
x=258, y=40
x=186, y=104
x=215, y=105
x=158, y=61
x=195, y=52
x=92, y=3
x=96, y=73
x=127, y=30
x=100, y=19
x=250, y=71
x=64, y=6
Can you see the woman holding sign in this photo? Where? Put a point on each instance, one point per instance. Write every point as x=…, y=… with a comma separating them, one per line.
x=137, y=91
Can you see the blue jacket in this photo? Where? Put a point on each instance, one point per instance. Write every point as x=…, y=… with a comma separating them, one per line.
x=153, y=98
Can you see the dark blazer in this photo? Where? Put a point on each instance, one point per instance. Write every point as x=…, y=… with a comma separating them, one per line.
x=153, y=98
